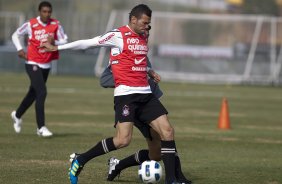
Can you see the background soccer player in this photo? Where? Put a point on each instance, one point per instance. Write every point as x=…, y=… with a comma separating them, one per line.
x=133, y=98
x=37, y=63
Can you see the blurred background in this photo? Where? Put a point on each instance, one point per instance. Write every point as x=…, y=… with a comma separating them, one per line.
x=206, y=41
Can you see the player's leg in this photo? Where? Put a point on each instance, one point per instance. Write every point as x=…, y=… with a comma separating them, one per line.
x=153, y=141
x=24, y=105
x=116, y=166
x=38, y=84
x=154, y=146
x=124, y=118
x=41, y=94
x=168, y=148
x=30, y=96
x=178, y=171
x=37, y=91
x=26, y=102
x=38, y=78
x=154, y=112
x=155, y=154
x=121, y=139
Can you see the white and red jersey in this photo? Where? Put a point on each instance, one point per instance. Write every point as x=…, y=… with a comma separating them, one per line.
x=128, y=58
x=37, y=33
x=129, y=67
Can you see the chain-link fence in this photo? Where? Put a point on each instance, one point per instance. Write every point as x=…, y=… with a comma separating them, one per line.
x=183, y=46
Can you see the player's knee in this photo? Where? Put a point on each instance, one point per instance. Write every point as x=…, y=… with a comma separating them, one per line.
x=42, y=93
x=123, y=142
x=168, y=133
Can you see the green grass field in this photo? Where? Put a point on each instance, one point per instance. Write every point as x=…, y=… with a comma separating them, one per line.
x=80, y=113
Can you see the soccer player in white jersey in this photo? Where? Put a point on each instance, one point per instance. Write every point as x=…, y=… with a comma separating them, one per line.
x=133, y=98
x=37, y=63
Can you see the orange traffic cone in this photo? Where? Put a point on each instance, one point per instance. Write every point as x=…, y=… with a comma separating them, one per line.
x=224, y=121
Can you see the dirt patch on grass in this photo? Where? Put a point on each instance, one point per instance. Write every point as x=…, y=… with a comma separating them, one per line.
x=67, y=112
x=270, y=141
x=39, y=162
x=272, y=182
x=255, y=127
x=83, y=124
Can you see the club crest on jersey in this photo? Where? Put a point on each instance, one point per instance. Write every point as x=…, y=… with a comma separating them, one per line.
x=35, y=25
x=115, y=51
x=125, y=110
x=34, y=68
x=114, y=62
x=127, y=33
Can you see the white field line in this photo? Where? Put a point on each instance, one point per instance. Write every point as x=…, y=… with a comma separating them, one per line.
x=219, y=94
x=57, y=90
x=171, y=93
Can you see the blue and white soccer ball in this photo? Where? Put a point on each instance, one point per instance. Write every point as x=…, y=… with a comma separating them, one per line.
x=150, y=172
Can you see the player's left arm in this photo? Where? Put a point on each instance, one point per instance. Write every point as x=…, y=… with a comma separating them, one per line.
x=62, y=38
x=107, y=79
x=154, y=79
x=152, y=74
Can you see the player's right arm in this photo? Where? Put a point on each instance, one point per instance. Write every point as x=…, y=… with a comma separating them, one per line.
x=16, y=38
x=110, y=39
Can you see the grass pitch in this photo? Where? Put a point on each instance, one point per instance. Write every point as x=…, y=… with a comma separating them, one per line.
x=80, y=113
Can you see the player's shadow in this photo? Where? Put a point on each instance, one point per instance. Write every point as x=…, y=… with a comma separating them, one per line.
x=127, y=181
x=59, y=135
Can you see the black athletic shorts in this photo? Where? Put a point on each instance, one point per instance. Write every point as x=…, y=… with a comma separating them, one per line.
x=138, y=108
x=144, y=129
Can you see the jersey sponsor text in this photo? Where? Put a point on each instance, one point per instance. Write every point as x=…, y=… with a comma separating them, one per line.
x=107, y=38
x=137, y=68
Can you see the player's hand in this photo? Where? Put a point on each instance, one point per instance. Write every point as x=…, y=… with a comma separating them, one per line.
x=50, y=39
x=48, y=47
x=154, y=75
x=22, y=54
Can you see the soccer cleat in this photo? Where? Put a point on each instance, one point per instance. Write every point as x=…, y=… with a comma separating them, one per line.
x=175, y=182
x=180, y=182
x=184, y=181
x=73, y=157
x=113, y=172
x=75, y=170
x=17, y=122
x=181, y=178
x=44, y=132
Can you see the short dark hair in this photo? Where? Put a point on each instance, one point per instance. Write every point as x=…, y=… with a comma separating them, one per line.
x=44, y=4
x=139, y=10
